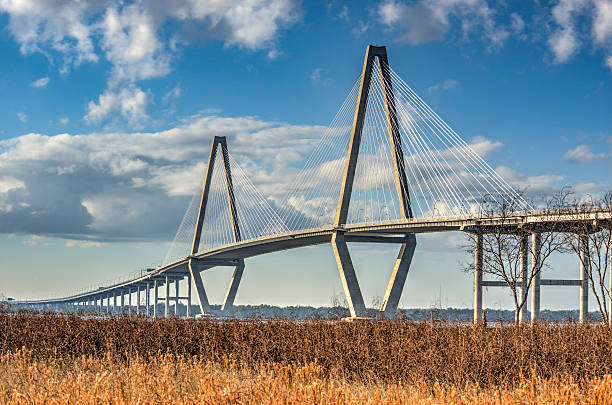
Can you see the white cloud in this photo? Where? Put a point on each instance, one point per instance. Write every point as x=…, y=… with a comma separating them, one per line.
x=22, y=117
x=315, y=76
x=580, y=22
x=64, y=120
x=602, y=24
x=445, y=85
x=131, y=102
x=430, y=20
x=344, y=14
x=539, y=185
x=10, y=183
x=517, y=23
x=140, y=39
x=360, y=28
x=103, y=186
x=83, y=243
x=42, y=82
x=583, y=154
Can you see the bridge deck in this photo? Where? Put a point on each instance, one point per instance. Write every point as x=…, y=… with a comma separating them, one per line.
x=538, y=222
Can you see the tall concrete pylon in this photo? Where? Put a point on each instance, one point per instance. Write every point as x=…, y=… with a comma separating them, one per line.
x=218, y=141
x=343, y=259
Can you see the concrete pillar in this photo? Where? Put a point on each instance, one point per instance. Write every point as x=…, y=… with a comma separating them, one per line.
x=189, y=296
x=155, y=298
x=130, y=301
x=610, y=279
x=166, y=303
x=398, y=277
x=200, y=291
x=478, y=279
x=584, y=277
x=536, y=246
x=147, y=298
x=524, y=259
x=230, y=296
x=115, y=293
x=176, y=296
x=347, y=276
x=138, y=300
x=122, y=301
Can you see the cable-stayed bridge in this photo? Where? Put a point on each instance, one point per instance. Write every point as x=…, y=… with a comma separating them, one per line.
x=387, y=168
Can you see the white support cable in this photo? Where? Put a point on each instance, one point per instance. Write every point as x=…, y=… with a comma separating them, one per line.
x=416, y=153
x=385, y=139
x=384, y=142
x=293, y=189
x=447, y=193
x=477, y=159
x=450, y=147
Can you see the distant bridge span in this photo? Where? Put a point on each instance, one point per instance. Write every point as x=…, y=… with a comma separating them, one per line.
x=390, y=131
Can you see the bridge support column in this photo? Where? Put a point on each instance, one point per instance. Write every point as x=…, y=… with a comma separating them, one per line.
x=200, y=291
x=188, y=295
x=524, y=258
x=398, y=277
x=536, y=246
x=347, y=276
x=584, y=277
x=230, y=296
x=155, y=292
x=138, y=300
x=176, y=297
x=148, y=299
x=130, y=301
x=610, y=285
x=167, y=296
x=122, y=301
x=478, y=278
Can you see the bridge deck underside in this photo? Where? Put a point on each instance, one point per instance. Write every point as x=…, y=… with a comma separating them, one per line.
x=242, y=250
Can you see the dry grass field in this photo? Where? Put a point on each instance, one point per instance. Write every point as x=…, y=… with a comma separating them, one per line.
x=69, y=359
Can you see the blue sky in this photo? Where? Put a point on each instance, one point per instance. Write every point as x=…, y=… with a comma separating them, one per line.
x=107, y=111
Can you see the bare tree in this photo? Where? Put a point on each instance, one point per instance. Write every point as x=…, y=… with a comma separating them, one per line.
x=594, y=237
x=506, y=251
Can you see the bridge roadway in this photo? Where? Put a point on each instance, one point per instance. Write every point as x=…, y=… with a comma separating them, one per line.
x=229, y=255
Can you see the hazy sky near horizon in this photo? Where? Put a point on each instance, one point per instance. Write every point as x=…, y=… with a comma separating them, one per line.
x=107, y=110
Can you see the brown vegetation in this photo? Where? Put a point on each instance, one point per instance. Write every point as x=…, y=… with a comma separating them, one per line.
x=165, y=379
x=377, y=352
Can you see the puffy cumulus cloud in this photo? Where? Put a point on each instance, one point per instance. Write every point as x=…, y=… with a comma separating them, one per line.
x=42, y=82
x=107, y=186
x=580, y=22
x=130, y=102
x=140, y=38
x=430, y=20
x=584, y=154
x=447, y=84
x=539, y=185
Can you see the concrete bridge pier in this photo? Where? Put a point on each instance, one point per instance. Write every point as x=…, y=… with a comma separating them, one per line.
x=347, y=276
x=147, y=299
x=138, y=300
x=155, y=298
x=188, y=296
x=122, y=310
x=478, y=279
x=230, y=296
x=524, y=259
x=610, y=282
x=176, y=296
x=536, y=247
x=584, y=278
x=166, y=300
